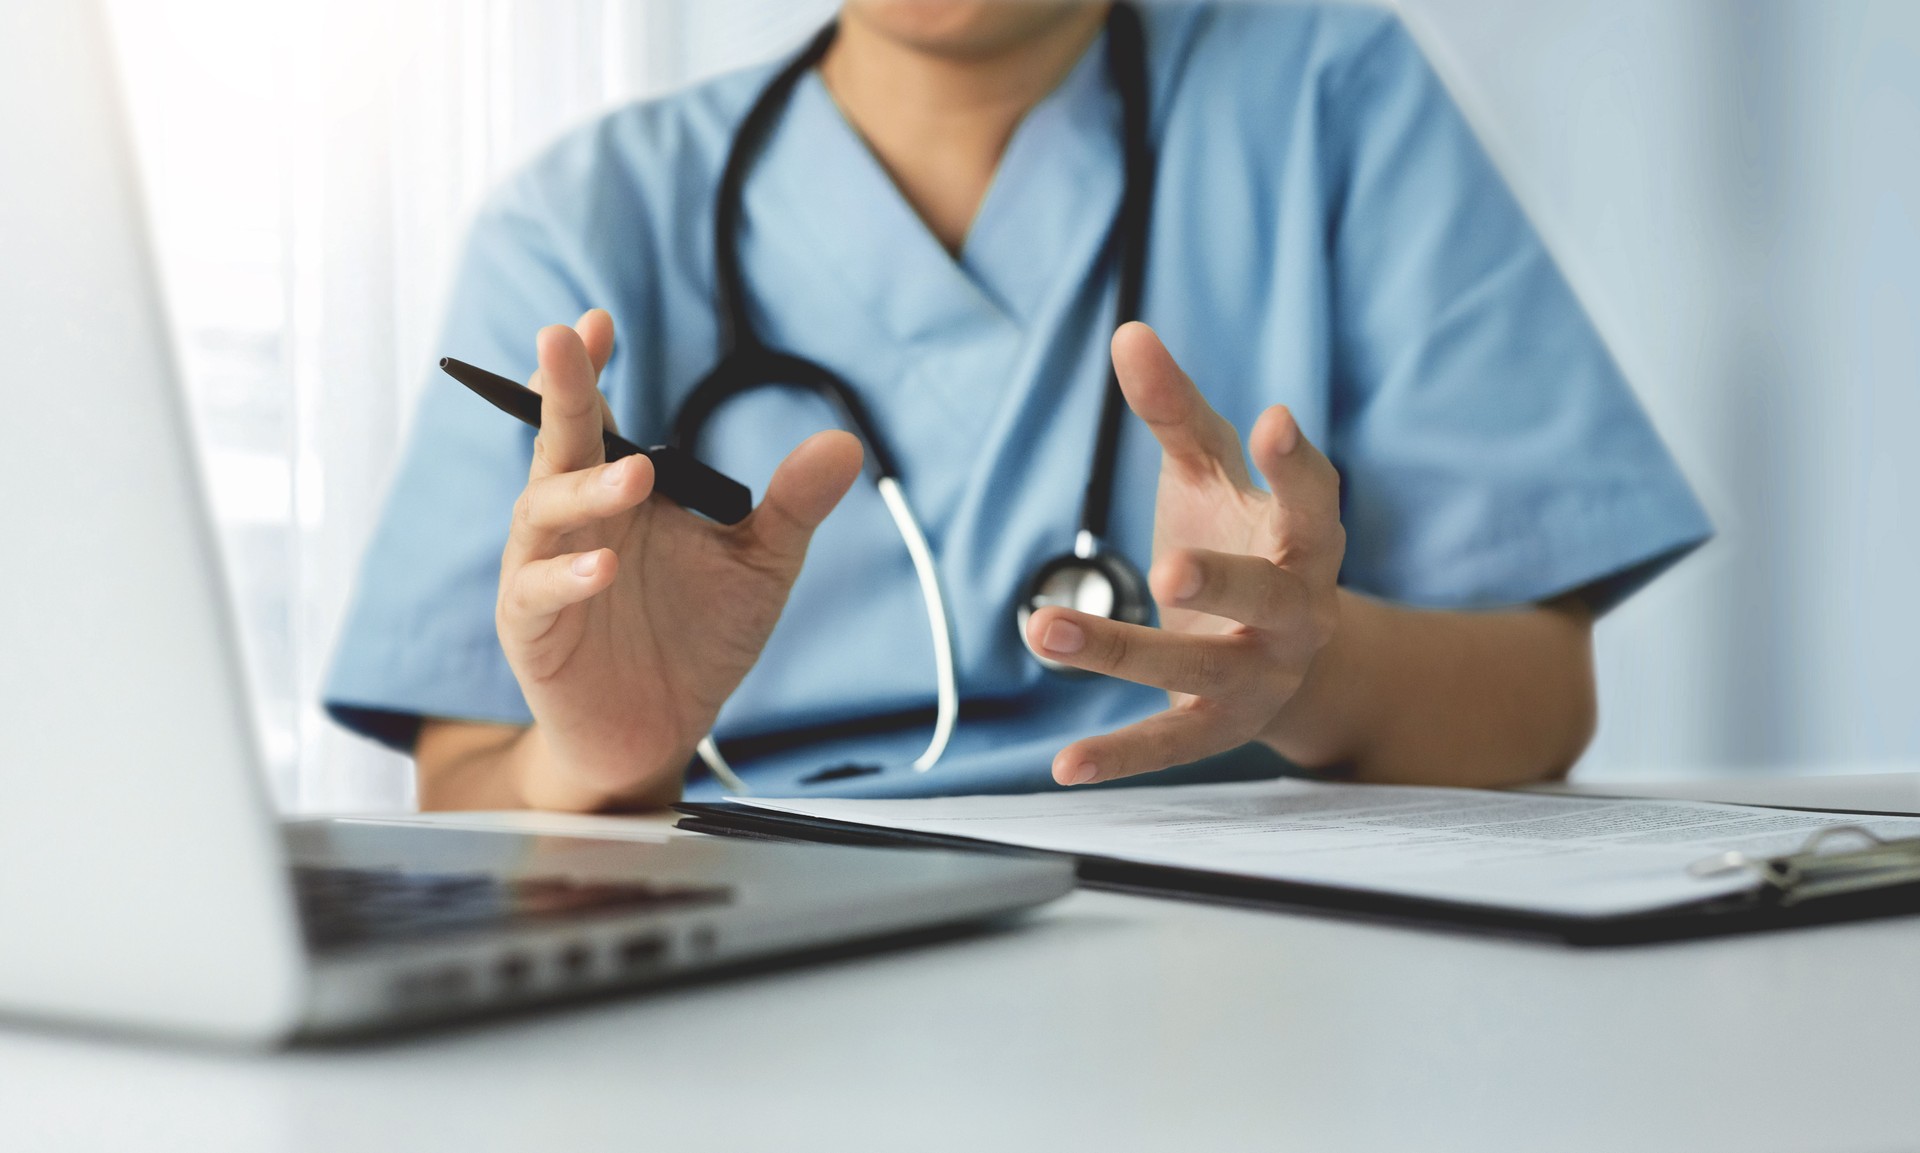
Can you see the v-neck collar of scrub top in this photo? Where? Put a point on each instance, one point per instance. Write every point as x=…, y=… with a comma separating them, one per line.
x=1051, y=204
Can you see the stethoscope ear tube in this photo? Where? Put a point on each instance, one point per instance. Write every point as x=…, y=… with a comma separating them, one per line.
x=1091, y=577
x=1126, y=58
x=756, y=366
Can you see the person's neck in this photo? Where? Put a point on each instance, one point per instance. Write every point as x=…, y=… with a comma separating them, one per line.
x=940, y=123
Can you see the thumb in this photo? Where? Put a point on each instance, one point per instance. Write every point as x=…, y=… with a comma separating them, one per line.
x=804, y=489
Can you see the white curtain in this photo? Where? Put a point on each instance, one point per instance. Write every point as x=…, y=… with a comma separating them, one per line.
x=311, y=165
x=1727, y=183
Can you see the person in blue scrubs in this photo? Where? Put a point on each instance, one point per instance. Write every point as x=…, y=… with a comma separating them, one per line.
x=1381, y=472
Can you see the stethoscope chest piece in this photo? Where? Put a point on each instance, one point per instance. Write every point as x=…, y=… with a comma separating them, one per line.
x=1089, y=580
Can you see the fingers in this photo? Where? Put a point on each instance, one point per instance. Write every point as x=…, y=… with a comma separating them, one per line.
x=595, y=327
x=1304, y=483
x=570, y=402
x=1248, y=590
x=606, y=416
x=1203, y=665
x=1286, y=458
x=536, y=592
x=804, y=489
x=1177, y=736
x=1194, y=438
x=551, y=506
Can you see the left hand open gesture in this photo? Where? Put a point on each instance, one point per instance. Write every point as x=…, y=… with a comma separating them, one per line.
x=1246, y=580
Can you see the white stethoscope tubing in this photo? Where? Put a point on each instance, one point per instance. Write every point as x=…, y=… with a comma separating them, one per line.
x=946, y=683
x=946, y=680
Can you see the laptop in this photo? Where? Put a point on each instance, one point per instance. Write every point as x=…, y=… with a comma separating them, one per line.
x=144, y=882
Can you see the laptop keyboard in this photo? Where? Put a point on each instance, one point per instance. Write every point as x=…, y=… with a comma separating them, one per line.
x=343, y=907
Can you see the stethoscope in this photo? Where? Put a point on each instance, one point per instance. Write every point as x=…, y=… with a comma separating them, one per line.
x=1091, y=578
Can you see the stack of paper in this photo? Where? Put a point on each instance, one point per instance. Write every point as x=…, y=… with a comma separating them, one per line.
x=1563, y=855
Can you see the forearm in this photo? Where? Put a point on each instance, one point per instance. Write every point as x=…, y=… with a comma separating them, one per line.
x=1455, y=698
x=471, y=765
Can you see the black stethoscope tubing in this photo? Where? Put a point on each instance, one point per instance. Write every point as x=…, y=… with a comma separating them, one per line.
x=1090, y=570
x=747, y=363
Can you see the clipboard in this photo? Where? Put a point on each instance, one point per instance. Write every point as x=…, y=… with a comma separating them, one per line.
x=1820, y=884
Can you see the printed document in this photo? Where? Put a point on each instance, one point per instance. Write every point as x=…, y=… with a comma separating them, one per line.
x=1579, y=856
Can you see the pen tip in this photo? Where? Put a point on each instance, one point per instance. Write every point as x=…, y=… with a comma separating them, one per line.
x=445, y=361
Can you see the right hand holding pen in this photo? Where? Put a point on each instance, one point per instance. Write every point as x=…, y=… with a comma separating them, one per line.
x=629, y=621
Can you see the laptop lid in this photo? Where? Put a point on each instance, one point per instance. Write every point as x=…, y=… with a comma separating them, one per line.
x=141, y=881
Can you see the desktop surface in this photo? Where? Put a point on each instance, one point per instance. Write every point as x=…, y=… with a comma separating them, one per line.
x=1103, y=1022
x=1885, y=791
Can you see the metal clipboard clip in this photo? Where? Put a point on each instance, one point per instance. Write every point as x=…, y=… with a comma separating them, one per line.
x=1815, y=871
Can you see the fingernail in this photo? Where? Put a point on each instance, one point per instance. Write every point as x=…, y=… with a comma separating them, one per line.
x=586, y=564
x=616, y=472
x=1063, y=637
x=1084, y=774
x=1190, y=585
x=1291, y=439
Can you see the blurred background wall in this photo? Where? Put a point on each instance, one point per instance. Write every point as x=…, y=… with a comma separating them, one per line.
x=1730, y=184
x=1731, y=187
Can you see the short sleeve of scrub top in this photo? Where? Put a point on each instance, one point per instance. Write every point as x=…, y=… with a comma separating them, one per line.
x=1326, y=233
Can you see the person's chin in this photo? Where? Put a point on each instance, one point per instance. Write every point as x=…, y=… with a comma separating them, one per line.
x=963, y=29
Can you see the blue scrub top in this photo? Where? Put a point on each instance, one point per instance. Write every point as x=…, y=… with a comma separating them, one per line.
x=1326, y=233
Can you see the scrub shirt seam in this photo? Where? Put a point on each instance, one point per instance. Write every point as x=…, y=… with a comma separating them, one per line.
x=1575, y=556
x=1335, y=83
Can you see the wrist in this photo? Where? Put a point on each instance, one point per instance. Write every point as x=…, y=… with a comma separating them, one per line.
x=1324, y=723
x=543, y=775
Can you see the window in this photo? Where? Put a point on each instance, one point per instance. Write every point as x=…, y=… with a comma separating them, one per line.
x=310, y=165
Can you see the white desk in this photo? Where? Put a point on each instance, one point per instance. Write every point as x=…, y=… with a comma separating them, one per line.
x=1882, y=792
x=1106, y=1023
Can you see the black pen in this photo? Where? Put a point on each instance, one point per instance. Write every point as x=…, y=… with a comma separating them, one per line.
x=677, y=475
